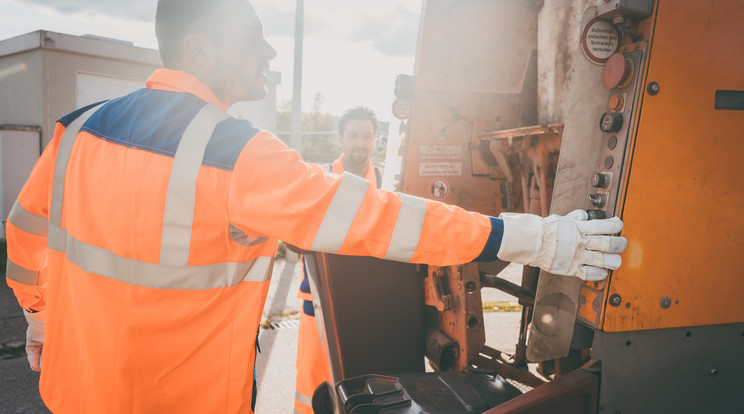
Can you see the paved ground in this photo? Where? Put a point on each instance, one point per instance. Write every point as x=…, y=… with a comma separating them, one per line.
x=276, y=362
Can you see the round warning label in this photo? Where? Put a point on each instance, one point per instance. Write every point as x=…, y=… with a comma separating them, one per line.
x=402, y=108
x=600, y=39
x=439, y=189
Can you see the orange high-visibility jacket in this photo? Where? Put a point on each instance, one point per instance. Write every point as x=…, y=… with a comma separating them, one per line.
x=148, y=239
x=337, y=167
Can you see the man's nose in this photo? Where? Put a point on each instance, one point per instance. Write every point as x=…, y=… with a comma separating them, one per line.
x=270, y=52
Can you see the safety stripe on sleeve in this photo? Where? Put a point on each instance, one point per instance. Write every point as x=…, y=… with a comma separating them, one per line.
x=63, y=157
x=28, y=222
x=102, y=262
x=303, y=399
x=181, y=195
x=407, y=228
x=340, y=214
x=20, y=274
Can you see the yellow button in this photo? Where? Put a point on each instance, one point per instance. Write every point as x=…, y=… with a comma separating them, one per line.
x=616, y=102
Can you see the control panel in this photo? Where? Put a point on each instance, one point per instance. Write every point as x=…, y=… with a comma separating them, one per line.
x=620, y=77
x=601, y=122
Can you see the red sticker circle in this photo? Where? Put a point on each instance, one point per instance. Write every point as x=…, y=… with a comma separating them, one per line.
x=439, y=189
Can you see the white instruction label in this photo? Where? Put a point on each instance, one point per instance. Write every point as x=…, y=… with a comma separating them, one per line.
x=440, y=152
x=442, y=169
x=600, y=40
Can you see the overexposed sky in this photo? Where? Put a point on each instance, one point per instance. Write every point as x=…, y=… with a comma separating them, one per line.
x=353, y=49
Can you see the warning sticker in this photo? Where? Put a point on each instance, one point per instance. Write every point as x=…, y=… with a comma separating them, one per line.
x=442, y=169
x=600, y=39
x=439, y=189
x=440, y=152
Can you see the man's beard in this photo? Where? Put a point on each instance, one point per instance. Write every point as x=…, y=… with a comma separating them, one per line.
x=359, y=157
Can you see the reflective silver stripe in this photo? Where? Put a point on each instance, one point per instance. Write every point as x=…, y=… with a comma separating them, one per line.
x=179, y=201
x=407, y=228
x=63, y=157
x=340, y=213
x=28, y=222
x=21, y=274
x=105, y=263
x=303, y=399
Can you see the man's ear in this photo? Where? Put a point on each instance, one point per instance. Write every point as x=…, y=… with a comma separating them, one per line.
x=340, y=139
x=199, y=51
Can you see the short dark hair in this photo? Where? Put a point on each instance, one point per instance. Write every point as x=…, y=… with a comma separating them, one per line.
x=357, y=113
x=176, y=19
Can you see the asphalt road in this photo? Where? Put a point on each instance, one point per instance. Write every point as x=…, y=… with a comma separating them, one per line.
x=275, y=364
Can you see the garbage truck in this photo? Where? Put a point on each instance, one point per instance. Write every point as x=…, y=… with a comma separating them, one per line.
x=629, y=108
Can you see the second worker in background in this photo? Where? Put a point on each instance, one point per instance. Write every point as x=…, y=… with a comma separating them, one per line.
x=357, y=130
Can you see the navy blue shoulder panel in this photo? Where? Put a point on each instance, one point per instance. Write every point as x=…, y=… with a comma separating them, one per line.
x=65, y=120
x=154, y=121
x=228, y=139
x=146, y=119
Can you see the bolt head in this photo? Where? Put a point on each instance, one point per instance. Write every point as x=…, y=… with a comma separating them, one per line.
x=653, y=88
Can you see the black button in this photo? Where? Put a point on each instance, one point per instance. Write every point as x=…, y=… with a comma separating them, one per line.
x=611, y=122
x=598, y=200
x=600, y=180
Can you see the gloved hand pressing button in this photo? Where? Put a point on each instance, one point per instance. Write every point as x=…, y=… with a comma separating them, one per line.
x=563, y=245
x=34, y=338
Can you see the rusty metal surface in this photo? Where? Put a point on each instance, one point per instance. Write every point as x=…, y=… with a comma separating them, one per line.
x=573, y=393
x=552, y=325
x=536, y=151
x=460, y=315
x=554, y=129
x=557, y=297
x=525, y=296
x=441, y=350
x=476, y=71
x=492, y=360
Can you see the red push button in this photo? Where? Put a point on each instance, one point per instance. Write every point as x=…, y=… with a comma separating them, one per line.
x=615, y=71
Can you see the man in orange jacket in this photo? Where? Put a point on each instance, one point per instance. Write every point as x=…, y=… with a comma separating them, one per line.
x=357, y=130
x=142, y=244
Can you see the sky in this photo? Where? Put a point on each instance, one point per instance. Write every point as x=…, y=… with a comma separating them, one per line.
x=353, y=49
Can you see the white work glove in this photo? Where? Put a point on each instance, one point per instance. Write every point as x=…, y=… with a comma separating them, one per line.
x=563, y=245
x=34, y=338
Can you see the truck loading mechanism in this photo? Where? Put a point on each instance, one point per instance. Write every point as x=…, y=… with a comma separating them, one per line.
x=646, y=126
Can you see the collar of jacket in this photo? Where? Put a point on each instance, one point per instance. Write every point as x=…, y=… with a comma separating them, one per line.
x=180, y=81
x=337, y=167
